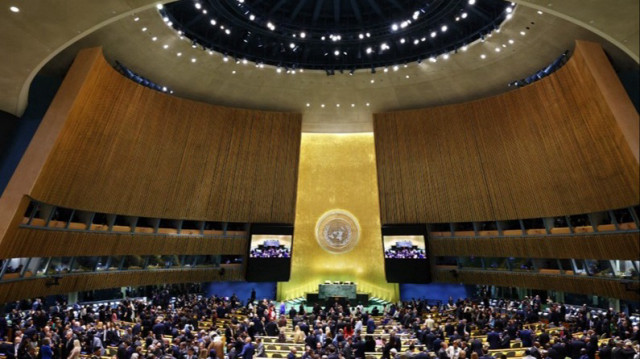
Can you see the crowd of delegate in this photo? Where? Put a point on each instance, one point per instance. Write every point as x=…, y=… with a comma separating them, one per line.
x=196, y=327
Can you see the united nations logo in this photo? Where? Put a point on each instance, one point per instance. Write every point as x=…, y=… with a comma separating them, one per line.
x=337, y=231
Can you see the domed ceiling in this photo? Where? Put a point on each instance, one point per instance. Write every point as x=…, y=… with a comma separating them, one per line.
x=333, y=34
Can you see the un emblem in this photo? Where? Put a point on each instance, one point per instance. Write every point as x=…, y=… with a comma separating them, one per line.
x=337, y=231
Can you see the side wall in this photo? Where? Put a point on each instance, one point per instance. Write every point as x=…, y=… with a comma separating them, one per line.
x=556, y=147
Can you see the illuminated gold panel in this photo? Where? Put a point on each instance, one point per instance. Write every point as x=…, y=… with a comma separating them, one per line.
x=337, y=172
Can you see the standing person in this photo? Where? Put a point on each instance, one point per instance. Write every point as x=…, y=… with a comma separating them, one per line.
x=45, y=350
x=75, y=352
x=247, y=350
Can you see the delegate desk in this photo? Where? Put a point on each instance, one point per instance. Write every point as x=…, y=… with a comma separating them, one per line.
x=326, y=291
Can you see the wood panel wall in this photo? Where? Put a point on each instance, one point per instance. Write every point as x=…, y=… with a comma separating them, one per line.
x=573, y=284
x=36, y=287
x=604, y=246
x=29, y=242
x=551, y=148
x=131, y=150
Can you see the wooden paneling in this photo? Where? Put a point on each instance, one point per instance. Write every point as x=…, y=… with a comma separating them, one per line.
x=51, y=243
x=574, y=284
x=551, y=148
x=603, y=246
x=131, y=150
x=36, y=287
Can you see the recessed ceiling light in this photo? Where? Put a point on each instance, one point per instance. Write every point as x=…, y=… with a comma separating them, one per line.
x=522, y=33
x=322, y=105
x=353, y=105
x=193, y=59
x=540, y=12
x=337, y=105
x=165, y=46
x=407, y=76
x=372, y=80
x=155, y=38
x=367, y=104
x=308, y=104
x=179, y=54
x=136, y=19
x=144, y=29
x=511, y=41
x=483, y=56
x=497, y=49
x=471, y=2
x=159, y=6
x=233, y=72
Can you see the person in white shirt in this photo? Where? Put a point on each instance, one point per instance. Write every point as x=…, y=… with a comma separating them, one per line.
x=453, y=351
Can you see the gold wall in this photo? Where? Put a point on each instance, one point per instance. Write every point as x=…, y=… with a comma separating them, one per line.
x=337, y=171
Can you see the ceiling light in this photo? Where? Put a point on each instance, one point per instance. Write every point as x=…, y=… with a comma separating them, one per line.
x=278, y=70
x=164, y=89
x=386, y=69
x=322, y=105
x=159, y=6
x=179, y=54
x=509, y=10
x=457, y=18
x=337, y=105
x=464, y=48
x=540, y=12
x=244, y=61
x=395, y=68
x=433, y=34
x=497, y=49
x=361, y=36
x=193, y=59
x=353, y=105
x=407, y=76
x=511, y=41
x=444, y=28
x=445, y=56
x=225, y=58
x=292, y=45
x=204, y=11
x=483, y=56
x=252, y=17
x=337, y=53
x=368, y=34
x=464, y=15
x=394, y=27
x=303, y=35
x=144, y=29
x=198, y=6
x=433, y=59
x=213, y=22
x=372, y=80
x=155, y=38
x=402, y=40
x=522, y=33
x=367, y=104
x=471, y=2
x=165, y=46
x=416, y=42
x=509, y=16
x=308, y=104
x=227, y=31
x=369, y=50
x=134, y=19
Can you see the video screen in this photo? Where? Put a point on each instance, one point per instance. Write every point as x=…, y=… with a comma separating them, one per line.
x=270, y=246
x=405, y=253
x=269, y=253
x=404, y=247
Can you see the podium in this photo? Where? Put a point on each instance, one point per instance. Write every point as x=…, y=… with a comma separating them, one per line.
x=340, y=292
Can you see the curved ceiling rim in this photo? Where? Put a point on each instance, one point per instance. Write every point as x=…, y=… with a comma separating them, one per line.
x=632, y=54
x=23, y=96
x=21, y=102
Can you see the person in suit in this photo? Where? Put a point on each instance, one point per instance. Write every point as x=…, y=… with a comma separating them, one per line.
x=247, y=350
